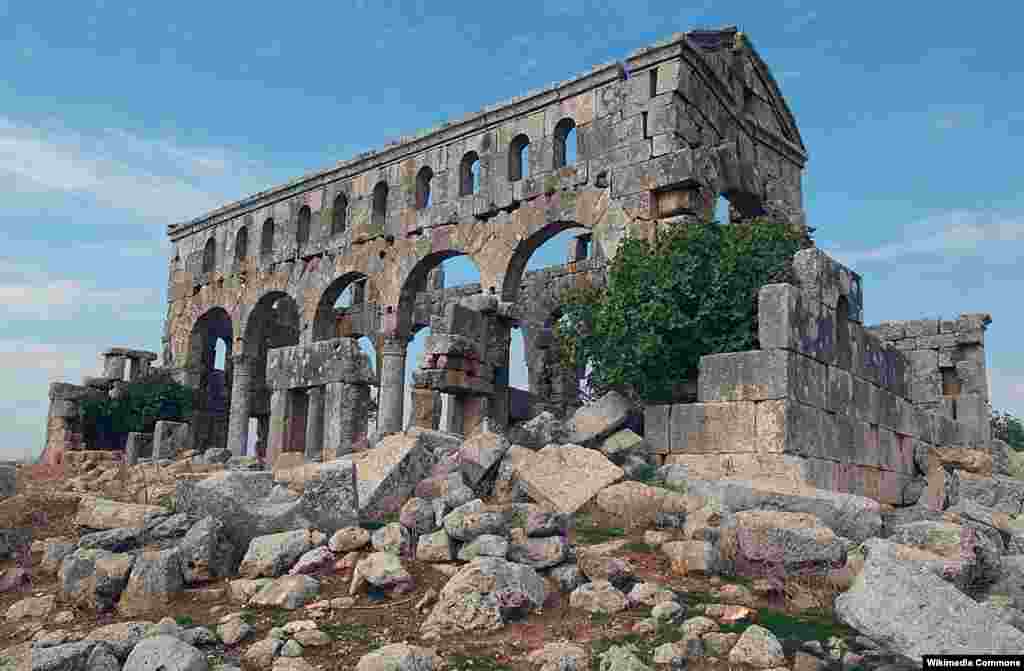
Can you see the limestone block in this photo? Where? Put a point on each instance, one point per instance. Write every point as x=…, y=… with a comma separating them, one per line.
x=170, y=438
x=656, y=428
x=871, y=482
x=98, y=513
x=714, y=427
x=762, y=375
x=865, y=400
x=387, y=474
x=597, y=420
x=567, y=477
x=924, y=378
x=740, y=466
x=972, y=416
x=924, y=424
x=945, y=430
x=789, y=427
x=839, y=397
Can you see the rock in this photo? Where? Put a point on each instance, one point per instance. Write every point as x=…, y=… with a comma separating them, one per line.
x=914, y=612
x=99, y=513
x=593, y=422
x=598, y=566
x=272, y=555
x=388, y=473
x=960, y=553
x=717, y=644
x=169, y=527
x=400, y=657
x=486, y=545
x=621, y=658
x=312, y=639
x=508, y=488
x=393, y=538
x=567, y=576
x=260, y=655
x=649, y=594
x=59, y=657
x=599, y=596
x=37, y=607
x=165, y=653
x=290, y=592
x=434, y=547
x=199, y=636
x=8, y=480
x=567, y=477
x=480, y=454
x=471, y=520
x=542, y=523
x=1011, y=581
x=539, y=552
x=1005, y=495
x=155, y=576
x=483, y=594
x=54, y=552
x=332, y=498
x=381, y=569
x=120, y=637
x=560, y=657
x=622, y=445
x=764, y=542
x=291, y=663
x=93, y=578
x=318, y=561
x=114, y=540
x=235, y=631
x=759, y=648
x=640, y=504
x=291, y=648
x=855, y=517
x=102, y=658
x=216, y=455
x=417, y=515
x=242, y=590
x=348, y=539
x=682, y=650
x=544, y=429
x=206, y=552
x=14, y=578
x=1000, y=457
x=668, y=611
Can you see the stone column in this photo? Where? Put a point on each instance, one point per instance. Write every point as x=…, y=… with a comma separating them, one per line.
x=238, y=420
x=279, y=419
x=315, y=424
x=392, y=385
x=500, y=337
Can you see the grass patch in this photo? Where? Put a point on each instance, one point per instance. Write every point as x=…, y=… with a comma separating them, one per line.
x=588, y=532
x=645, y=644
x=458, y=662
x=347, y=631
x=379, y=521
x=166, y=501
x=600, y=618
x=184, y=621
x=807, y=626
x=279, y=617
x=639, y=546
x=648, y=474
x=247, y=616
x=8, y=664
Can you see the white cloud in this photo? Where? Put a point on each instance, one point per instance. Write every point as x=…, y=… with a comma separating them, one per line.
x=953, y=233
x=154, y=178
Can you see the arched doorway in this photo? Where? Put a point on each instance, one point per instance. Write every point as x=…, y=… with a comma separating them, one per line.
x=210, y=372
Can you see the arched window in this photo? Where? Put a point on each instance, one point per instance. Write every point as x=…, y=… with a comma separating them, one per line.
x=380, y=204
x=519, y=158
x=565, y=143
x=423, y=178
x=242, y=243
x=209, y=256
x=302, y=230
x=338, y=214
x=469, y=174
x=267, y=239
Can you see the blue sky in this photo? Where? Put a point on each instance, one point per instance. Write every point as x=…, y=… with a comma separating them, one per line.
x=116, y=120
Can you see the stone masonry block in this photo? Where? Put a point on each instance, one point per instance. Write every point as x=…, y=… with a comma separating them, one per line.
x=656, y=428
x=840, y=391
x=945, y=431
x=789, y=427
x=777, y=306
x=170, y=438
x=924, y=378
x=865, y=400
x=762, y=375
x=138, y=445
x=713, y=427
x=924, y=425
x=972, y=411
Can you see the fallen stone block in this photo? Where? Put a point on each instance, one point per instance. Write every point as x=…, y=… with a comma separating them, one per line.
x=480, y=454
x=567, y=477
x=289, y=592
x=99, y=513
x=272, y=555
x=599, y=419
x=155, y=577
x=780, y=544
x=93, y=579
x=386, y=475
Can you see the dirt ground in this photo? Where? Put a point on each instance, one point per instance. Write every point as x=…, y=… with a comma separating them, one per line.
x=370, y=623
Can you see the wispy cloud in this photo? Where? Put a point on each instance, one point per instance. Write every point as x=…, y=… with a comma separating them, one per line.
x=154, y=178
x=953, y=233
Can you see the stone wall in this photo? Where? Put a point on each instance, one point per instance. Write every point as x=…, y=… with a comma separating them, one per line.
x=946, y=367
x=824, y=401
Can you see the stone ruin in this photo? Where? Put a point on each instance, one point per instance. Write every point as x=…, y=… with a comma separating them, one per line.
x=660, y=137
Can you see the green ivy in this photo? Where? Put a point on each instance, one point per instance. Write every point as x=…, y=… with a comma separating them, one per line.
x=140, y=405
x=690, y=291
x=1009, y=429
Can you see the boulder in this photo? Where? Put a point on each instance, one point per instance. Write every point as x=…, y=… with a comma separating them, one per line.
x=1005, y=495
x=99, y=513
x=417, y=515
x=382, y=570
x=486, y=545
x=32, y=607
x=120, y=637
x=155, y=576
x=640, y=504
x=961, y=553
x=272, y=555
x=599, y=596
x=93, y=578
x=855, y=517
x=908, y=609
x=622, y=445
x=114, y=540
x=386, y=475
x=480, y=454
x=759, y=648
x=393, y=538
x=471, y=520
x=349, y=539
x=539, y=552
x=566, y=477
x=691, y=557
x=508, y=488
x=331, y=498
x=434, y=547
x=593, y=422
x=59, y=657
x=400, y=657
x=165, y=653
x=483, y=595
x=290, y=592
x=318, y=561
x=771, y=543
x=544, y=429
x=54, y=552
x=207, y=552
x=560, y=656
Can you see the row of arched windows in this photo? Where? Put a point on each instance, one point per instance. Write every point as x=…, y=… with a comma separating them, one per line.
x=564, y=154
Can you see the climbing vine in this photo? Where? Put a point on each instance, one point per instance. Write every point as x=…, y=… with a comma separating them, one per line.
x=690, y=291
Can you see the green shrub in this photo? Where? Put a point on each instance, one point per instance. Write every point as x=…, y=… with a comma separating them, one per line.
x=1008, y=428
x=691, y=291
x=140, y=405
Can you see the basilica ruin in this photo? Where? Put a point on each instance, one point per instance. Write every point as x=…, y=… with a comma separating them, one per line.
x=659, y=138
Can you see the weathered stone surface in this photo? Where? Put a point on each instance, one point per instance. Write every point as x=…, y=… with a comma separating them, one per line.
x=206, y=552
x=317, y=561
x=914, y=612
x=690, y=557
x=434, y=547
x=472, y=519
x=170, y=439
x=417, y=515
x=560, y=657
x=961, y=555
x=155, y=577
x=480, y=454
x=1002, y=494
x=348, y=539
x=599, y=596
x=544, y=429
x=599, y=419
x=99, y=513
x=272, y=555
x=36, y=607
x=93, y=578
x=54, y=551
x=567, y=477
x=120, y=637
x=485, y=545
x=165, y=652
x=622, y=445
x=387, y=474
x=757, y=647
x=400, y=657
x=380, y=569
x=393, y=538
x=483, y=594
x=539, y=552
x=114, y=540
x=772, y=543
x=330, y=499
x=290, y=592
x=701, y=428
x=640, y=504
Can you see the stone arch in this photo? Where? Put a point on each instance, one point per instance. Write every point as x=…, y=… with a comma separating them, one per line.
x=469, y=183
x=423, y=178
x=518, y=158
x=302, y=226
x=524, y=249
x=563, y=130
x=213, y=387
x=414, y=282
x=241, y=244
x=209, y=256
x=324, y=320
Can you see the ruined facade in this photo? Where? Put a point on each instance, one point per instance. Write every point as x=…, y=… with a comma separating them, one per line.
x=658, y=138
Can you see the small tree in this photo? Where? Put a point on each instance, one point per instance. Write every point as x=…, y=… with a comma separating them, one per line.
x=139, y=405
x=690, y=291
x=1009, y=429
